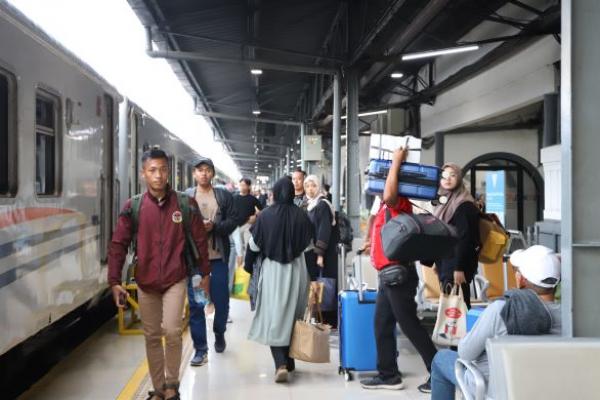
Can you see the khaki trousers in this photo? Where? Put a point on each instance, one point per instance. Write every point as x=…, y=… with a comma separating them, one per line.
x=162, y=315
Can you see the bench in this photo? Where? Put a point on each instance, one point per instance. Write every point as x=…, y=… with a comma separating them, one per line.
x=536, y=367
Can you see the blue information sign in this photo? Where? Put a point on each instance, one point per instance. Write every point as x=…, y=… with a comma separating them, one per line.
x=495, y=196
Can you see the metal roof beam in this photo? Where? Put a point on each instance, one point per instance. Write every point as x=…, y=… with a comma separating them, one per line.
x=194, y=56
x=408, y=35
x=248, y=118
x=381, y=23
x=280, y=146
x=257, y=46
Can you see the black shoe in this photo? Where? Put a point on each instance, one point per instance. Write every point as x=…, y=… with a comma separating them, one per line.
x=425, y=387
x=199, y=359
x=378, y=382
x=220, y=343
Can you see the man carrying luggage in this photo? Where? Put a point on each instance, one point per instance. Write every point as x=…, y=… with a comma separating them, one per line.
x=220, y=220
x=529, y=310
x=396, y=295
x=159, y=233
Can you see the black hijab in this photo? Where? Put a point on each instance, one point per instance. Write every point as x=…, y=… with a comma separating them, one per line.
x=283, y=230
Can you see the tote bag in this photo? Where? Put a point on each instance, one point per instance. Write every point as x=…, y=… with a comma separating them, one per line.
x=451, y=323
x=310, y=340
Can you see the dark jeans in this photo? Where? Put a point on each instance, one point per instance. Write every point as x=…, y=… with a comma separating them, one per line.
x=219, y=295
x=397, y=304
x=281, y=356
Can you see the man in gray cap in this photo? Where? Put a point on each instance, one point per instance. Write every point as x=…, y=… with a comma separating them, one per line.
x=220, y=220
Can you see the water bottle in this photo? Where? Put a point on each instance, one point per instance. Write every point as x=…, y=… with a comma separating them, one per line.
x=200, y=296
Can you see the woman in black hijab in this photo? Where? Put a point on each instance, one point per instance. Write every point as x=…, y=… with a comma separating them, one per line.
x=280, y=236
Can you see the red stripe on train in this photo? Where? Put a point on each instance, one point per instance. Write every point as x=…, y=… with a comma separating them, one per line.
x=28, y=214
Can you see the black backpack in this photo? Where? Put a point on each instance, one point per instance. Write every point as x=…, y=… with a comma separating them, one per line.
x=345, y=229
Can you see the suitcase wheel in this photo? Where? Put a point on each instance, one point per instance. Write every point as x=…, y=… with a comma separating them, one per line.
x=347, y=374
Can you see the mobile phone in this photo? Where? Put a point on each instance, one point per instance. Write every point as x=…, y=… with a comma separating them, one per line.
x=122, y=299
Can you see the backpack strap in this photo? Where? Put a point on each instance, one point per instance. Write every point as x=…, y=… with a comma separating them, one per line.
x=136, y=203
x=388, y=214
x=184, y=206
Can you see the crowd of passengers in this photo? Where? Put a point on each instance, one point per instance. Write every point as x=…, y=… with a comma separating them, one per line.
x=293, y=234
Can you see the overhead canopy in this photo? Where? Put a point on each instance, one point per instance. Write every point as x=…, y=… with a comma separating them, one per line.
x=298, y=44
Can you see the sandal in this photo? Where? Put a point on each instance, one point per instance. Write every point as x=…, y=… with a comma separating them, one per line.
x=174, y=386
x=152, y=394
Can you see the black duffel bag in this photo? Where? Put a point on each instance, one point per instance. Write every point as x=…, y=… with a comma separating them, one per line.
x=413, y=237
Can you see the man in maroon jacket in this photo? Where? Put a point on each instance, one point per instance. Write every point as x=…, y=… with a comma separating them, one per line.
x=161, y=272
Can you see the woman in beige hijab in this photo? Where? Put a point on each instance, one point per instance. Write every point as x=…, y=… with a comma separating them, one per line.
x=460, y=211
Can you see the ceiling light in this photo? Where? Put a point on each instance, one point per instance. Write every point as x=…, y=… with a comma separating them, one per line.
x=256, y=112
x=434, y=53
x=256, y=71
x=396, y=75
x=366, y=114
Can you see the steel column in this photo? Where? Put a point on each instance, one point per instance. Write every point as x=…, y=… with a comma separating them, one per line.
x=580, y=141
x=302, y=146
x=352, y=148
x=336, y=167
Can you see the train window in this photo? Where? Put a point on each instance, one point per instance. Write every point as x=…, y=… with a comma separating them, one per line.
x=47, y=144
x=8, y=137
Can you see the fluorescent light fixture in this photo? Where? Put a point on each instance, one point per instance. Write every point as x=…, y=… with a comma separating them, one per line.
x=256, y=71
x=396, y=75
x=256, y=112
x=435, y=53
x=366, y=114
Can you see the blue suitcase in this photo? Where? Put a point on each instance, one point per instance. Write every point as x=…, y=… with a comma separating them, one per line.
x=416, y=181
x=358, y=351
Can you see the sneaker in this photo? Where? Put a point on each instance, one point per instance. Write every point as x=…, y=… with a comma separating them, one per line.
x=199, y=359
x=425, y=387
x=281, y=375
x=220, y=343
x=378, y=382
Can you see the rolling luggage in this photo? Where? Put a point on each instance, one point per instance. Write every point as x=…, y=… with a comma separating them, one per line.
x=358, y=351
x=416, y=181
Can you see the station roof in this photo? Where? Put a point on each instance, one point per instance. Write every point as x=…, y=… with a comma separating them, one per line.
x=213, y=45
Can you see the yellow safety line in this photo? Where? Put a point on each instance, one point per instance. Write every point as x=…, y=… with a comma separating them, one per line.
x=134, y=382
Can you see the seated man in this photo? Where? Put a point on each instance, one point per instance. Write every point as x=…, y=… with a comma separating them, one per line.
x=529, y=310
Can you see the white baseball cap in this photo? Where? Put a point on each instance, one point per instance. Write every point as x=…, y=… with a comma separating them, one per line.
x=539, y=265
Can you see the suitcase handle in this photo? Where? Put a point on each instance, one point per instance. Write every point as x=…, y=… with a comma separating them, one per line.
x=361, y=294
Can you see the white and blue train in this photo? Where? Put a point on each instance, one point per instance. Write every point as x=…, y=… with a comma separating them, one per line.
x=70, y=147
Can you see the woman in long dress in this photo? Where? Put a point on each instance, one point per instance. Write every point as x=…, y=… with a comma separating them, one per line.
x=461, y=212
x=280, y=236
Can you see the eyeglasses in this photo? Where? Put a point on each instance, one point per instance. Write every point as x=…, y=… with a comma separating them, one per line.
x=448, y=175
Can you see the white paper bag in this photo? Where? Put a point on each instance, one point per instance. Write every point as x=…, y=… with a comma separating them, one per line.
x=451, y=323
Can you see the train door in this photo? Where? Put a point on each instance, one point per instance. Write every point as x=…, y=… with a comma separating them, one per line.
x=107, y=194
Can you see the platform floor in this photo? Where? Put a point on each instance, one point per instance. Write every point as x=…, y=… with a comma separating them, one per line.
x=109, y=366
